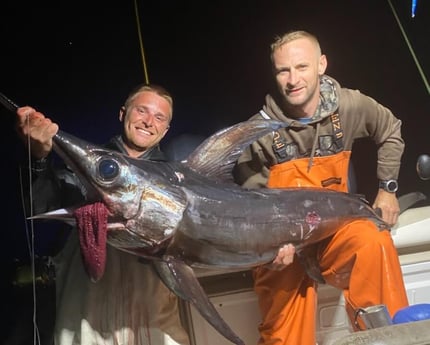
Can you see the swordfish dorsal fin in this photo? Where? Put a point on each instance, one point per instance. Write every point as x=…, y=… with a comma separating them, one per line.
x=215, y=157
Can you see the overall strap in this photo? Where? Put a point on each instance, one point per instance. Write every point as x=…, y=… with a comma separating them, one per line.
x=279, y=143
x=337, y=130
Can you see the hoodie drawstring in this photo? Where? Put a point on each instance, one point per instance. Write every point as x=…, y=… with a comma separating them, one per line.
x=314, y=147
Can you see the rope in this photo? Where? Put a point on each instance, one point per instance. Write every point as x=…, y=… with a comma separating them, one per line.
x=139, y=32
x=421, y=72
x=30, y=240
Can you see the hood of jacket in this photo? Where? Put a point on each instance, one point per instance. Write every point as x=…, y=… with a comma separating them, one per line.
x=154, y=153
x=328, y=103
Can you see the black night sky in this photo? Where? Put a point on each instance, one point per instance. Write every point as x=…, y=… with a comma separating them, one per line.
x=76, y=61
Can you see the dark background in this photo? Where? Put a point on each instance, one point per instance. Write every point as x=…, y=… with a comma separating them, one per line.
x=76, y=62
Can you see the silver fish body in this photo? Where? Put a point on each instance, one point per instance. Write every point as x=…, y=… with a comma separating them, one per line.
x=190, y=213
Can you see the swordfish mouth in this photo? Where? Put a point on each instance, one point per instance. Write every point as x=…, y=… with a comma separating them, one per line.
x=93, y=223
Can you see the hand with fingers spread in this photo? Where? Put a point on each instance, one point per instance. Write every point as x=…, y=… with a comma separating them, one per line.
x=34, y=126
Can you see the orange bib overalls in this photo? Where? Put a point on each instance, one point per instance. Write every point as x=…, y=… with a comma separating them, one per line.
x=359, y=259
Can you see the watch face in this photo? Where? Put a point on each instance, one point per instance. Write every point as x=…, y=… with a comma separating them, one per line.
x=392, y=186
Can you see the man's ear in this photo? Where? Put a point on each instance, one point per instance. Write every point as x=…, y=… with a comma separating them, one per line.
x=121, y=114
x=322, y=66
x=166, y=130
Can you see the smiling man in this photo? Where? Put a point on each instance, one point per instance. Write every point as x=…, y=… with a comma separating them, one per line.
x=314, y=151
x=146, y=117
x=129, y=304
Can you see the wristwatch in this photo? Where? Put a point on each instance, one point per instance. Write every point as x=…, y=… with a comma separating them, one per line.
x=390, y=186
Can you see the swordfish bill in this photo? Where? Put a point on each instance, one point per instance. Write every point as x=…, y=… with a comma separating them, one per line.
x=189, y=214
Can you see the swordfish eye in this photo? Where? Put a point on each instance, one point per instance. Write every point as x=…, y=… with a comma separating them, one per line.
x=108, y=169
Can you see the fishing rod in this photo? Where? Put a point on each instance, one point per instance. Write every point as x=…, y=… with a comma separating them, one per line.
x=139, y=33
x=411, y=50
x=8, y=103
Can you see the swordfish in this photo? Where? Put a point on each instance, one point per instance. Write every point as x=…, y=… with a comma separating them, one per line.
x=190, y=214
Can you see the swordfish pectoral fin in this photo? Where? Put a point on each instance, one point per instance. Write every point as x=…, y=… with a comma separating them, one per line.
x=181, y=280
